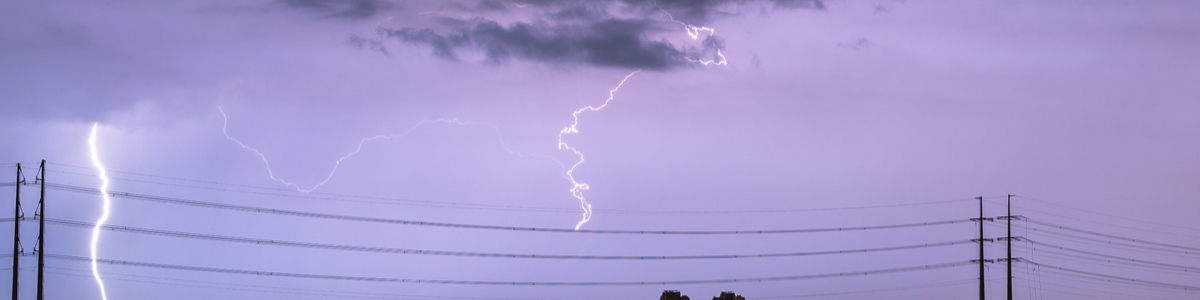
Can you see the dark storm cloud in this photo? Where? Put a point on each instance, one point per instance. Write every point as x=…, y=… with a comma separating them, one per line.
x=609, y=43
x=585, y=33
x=348, y=9
x=702, y=11
x=489, y=5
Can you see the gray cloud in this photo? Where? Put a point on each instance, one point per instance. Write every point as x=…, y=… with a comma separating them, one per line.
x=608, y=43
x=347, y=9
x=367, y=43
x=703, y=11
x=614, y=33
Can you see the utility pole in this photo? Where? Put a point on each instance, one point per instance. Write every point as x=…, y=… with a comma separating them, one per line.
x=982, y=260
x=1009, y=238
x=41, y=216
x=982, y=291
x=17, y=234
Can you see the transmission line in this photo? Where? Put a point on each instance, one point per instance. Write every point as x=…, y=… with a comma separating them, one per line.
x=513, y=283
x=295, y=213
x=1129, y=246
x=1104, y=214
x=879, y=290
x=1106, y=282
x=1119, y=278
x=1106, y=294
x=1117, y=237
x=476, y=206
x=1119, y=258
x=388, y=250
x=255, y=288
x=1102, y=223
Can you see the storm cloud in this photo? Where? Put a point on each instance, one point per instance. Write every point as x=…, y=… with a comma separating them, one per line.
x=346, y=9
x=608, y=43
x=620, y=34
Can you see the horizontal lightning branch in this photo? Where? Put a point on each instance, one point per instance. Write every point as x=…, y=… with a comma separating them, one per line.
x=243, y=208
x=361, y=143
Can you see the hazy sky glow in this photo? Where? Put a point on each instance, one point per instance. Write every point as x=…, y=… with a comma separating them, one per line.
x=781, y=114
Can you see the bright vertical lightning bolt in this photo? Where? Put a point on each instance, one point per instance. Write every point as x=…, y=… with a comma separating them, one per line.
x=577, y=187
x=104, y=215
x=337, y=163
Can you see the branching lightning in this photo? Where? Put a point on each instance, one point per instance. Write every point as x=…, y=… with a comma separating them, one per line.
x=693, y=31
x=569, y=173
x=337, y=163
x=107, y=201
x=577, y=187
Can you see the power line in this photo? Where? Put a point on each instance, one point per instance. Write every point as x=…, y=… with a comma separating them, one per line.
x=294, y=213
x=868, y=291
x=257, y=288
x=1104, y=223
x=343, y=247
x=1125, y=279
x=1121, y=258
x=1108, y=243
x=512, y=283
x=1105, y=295
x=1105, y=214
x=1084, y=231
x=1104, y=282
x=477, y=206
x=359, y=198
x=1128, y=246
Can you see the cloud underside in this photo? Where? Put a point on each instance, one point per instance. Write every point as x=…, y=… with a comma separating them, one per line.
x=615, y=33
x=609, y=43
x=341, y=9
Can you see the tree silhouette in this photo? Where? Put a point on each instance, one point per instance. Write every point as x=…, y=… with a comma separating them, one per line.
x=729, y=296
x=673, y=295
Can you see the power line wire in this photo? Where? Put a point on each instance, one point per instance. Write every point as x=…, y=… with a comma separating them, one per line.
x=1121, y=258
x=879, y=290
x=477, y=206
x=295, y=213
x=512, y=283
x=359, y=198
x=1109, y=243
x=1104, y=282
x=1111, y=236
x=256, y=288
x=1126, y=246
x=1126, y=279
x=1023, y=208
x=343, y=247
x=1104, y=214
x=1095, y=296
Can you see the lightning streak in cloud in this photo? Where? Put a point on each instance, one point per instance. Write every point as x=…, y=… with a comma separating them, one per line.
x=107, y=201
x=337, y=163
x=694, y=32
x=577, y=187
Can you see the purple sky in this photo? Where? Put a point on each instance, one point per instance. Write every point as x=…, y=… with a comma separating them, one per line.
x=822, y=104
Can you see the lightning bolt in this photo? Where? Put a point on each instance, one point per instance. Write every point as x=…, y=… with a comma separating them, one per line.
x=693, y=31
x=107, y=201
x=577, y=187
x=337, y=163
